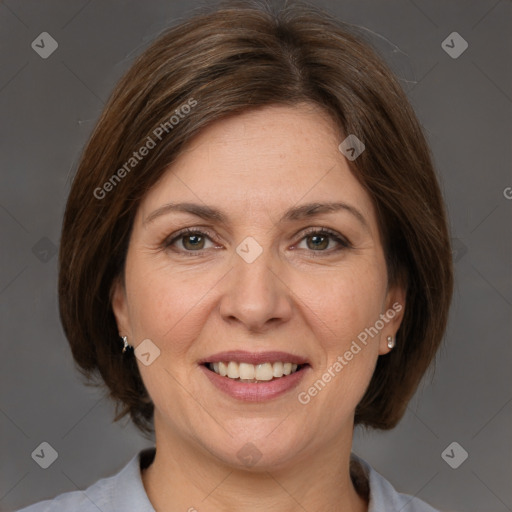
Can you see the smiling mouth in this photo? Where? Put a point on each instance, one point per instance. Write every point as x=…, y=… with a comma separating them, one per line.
x=254, y=373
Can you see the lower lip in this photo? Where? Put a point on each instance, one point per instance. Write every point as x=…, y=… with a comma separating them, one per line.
x=255, y=391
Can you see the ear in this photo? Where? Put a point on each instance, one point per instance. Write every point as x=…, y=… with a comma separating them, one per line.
x=119, y=303
x=392, y=314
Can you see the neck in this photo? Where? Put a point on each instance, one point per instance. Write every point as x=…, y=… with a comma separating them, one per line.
x=182, y=477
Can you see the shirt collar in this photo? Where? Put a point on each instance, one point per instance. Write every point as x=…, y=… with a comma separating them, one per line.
x=128, y=492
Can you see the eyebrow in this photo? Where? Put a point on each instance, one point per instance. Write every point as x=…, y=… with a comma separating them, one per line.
x=301, y=212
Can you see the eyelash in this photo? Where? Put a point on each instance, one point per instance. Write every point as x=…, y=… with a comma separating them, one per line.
x=343, y=242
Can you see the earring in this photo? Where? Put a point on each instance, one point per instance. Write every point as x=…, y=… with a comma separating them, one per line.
x=391, y=342
x=126, y=345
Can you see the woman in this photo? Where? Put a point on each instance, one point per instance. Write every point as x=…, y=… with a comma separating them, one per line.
x=255, y=258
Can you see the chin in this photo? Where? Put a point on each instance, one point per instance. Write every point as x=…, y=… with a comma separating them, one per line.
x=263, y=451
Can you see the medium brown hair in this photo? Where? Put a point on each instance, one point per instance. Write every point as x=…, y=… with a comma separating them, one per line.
x=236, y=57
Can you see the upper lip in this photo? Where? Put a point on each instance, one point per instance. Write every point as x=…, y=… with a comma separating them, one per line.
x=242, y=356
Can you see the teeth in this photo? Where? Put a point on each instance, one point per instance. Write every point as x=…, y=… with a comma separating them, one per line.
x=278, y=369
x=246, y=371
x=264, y=372
x=233, y=372
x=223, y=369
x=253, y=373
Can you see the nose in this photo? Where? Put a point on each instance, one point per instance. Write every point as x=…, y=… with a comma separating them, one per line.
x=255, y=295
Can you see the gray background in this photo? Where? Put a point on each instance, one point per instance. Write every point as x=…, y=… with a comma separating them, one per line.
x=48, y=108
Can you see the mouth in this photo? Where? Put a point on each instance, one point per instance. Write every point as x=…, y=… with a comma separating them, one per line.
x=254, y=373
x=254, y=377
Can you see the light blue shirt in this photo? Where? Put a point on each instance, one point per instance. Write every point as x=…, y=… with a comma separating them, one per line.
x=125, y=492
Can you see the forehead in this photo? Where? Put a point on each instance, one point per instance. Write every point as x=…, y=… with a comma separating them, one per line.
x=264, y=160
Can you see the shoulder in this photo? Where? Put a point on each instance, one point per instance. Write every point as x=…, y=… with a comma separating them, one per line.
x=383, y=497
x=119, y=492
x=75, y=500
x=94, y=498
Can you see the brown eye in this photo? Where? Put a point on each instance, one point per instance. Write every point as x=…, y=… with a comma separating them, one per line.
x=191, y=242
x=188, y=241
x=318, y=241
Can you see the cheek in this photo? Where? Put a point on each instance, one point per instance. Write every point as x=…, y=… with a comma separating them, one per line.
x=344, y=303
x=169, y=308
x=168, y=305
x=341, y=308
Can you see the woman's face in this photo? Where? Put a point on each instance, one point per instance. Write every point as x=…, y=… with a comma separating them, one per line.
x=257, y=283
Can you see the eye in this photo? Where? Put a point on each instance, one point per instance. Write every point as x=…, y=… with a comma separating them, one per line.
x=191, y=240
x=320, y=238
